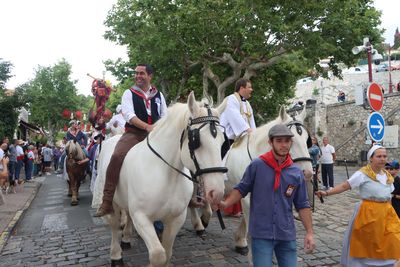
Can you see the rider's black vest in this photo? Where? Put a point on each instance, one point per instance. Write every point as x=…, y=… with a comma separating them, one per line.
x=140, y=109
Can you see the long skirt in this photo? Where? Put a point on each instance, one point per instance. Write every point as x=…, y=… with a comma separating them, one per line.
x=361, y=223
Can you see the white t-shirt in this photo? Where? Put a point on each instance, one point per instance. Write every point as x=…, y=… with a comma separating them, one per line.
x=327, y=157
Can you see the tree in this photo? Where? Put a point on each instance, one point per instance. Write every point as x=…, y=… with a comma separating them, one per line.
x=207, y=45
x=9, y=104
x=48, y=94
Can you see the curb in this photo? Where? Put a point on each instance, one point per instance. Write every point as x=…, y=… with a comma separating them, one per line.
x=13, y=223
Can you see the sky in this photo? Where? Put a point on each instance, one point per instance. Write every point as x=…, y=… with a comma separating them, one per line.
x=42, y=32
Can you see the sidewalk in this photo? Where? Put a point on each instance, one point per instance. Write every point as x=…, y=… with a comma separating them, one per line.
x=14, y=207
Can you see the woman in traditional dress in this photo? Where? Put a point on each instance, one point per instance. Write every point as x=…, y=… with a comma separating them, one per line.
x=373, y=234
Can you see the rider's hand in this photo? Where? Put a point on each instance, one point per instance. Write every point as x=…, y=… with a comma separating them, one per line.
x=149, y=127
x=249, y=131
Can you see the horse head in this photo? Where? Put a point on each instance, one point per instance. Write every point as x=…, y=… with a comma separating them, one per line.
x=301, y=139
x=74, y=150
x=201, y=147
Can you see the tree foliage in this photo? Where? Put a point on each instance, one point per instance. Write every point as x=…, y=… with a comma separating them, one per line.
x=48, y=94
x=8, y=104
x=207, y=45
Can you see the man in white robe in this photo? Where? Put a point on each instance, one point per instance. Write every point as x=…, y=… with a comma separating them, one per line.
x=238, y=116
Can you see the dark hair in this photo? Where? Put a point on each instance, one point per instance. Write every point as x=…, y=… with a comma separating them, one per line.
x=149, y=68
x=241, y=83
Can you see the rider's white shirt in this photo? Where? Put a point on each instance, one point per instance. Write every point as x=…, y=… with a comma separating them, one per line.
x=116, y=118
x=234, y=122
x=128, y=110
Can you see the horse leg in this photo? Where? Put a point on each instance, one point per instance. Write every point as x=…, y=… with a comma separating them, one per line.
x=171, y=229
x=115, y=248
x=196, y=221
x=69, y=189
x=73, y=183
x=145, y=228
x=240, y=235
x=127, y=231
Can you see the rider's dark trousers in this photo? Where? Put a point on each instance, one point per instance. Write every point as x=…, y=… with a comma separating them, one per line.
x=131, y=137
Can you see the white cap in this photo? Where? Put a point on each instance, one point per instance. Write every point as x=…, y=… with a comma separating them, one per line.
x=119, y=108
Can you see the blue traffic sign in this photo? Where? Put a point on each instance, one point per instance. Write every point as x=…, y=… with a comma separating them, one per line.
x=376, y=126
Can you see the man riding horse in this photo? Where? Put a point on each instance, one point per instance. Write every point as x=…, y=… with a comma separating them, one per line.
x=142, y=106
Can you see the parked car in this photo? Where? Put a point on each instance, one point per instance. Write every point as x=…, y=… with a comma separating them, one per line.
x=382, y=67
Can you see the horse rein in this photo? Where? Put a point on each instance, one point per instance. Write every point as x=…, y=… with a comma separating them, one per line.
x=193, y=144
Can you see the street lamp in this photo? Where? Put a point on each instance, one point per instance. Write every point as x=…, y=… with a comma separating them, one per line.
x=372, y=54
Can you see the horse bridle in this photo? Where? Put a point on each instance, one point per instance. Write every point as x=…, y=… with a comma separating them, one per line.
x=194, y=143
x=299, y=129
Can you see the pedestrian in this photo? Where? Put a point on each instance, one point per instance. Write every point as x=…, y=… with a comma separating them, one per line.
x=315, y=154
x=275, y=184
x=393, y=168
x=3, y=165
x=328, y=157
x=142, y=106
x=12, y=155
x=20, y=160
x=47, y=158
x=29, y=163
x=3, y=171
x=237, y=119
x=56, y=157
x=373, y=234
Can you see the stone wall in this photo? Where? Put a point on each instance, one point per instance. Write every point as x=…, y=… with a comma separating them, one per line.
x=345, y=125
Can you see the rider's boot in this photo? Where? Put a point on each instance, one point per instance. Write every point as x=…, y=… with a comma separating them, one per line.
x=105, y=208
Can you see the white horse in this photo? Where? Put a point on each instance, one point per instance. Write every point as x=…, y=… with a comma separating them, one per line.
x=239, y=157
x=152, y=186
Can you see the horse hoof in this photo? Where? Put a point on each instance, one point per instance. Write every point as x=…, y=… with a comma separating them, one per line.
x=242, y=250
x=201, y=233
x=117, y=263
x=74, y=203
x=205, y=224
x=125, y=245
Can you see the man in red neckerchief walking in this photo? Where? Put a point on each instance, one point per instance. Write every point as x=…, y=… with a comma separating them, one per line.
x=142, y=105
x=275, y=185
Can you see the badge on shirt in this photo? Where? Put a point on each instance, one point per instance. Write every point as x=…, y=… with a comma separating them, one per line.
x=289, y=190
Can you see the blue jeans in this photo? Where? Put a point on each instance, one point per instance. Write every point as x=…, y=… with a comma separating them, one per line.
x=20, y=164
x=28, y=170
x=285, y=252
x=12, y=165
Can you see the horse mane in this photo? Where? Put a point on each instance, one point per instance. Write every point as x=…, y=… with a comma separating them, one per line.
x=75, y=149
x=178, y=114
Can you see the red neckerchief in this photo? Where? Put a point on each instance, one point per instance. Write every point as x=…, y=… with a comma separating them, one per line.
x=270, y=160
x=139, y=92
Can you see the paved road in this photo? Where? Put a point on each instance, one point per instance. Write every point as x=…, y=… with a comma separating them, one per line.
x=52, y=233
